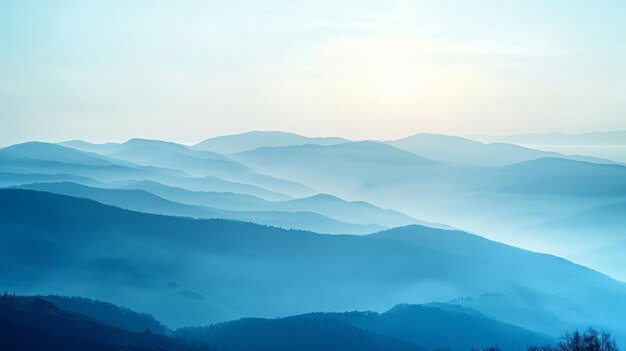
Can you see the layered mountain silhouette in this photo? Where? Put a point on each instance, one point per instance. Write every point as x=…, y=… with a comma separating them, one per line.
x=608, y=226
x=12, y=179
x=193, y=272
x=54, y=159
x=358, y=212
x=611, y=145
x=310, y=332
x=108, y=313
x=38, y=151
x=617, y=137
x=495, y=200
x=192, y=235
x=199, y=163
x=332, y=206
x=35, y=324
x=468, y=152
x=424, y=327
x=46, y=158
x=321, y=184
x=336, y=167
x=231, y=144
x=143, y=201
x=66, y=323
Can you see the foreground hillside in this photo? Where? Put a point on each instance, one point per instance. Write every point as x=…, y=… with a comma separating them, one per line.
x=188, y=272
x=73, y=323
x=32, y=324
x=428, y=327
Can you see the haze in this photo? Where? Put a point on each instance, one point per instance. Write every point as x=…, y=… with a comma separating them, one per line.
x=112, y=70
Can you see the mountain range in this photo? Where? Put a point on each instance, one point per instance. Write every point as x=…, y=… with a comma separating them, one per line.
x=230, y=144
x=617, y=137
x=421, y=327
x=35, y=324
x=426, y=242
x=460, y=150
x=502, y=191
x=611, y=145
x=67, y=323
x=190, y=272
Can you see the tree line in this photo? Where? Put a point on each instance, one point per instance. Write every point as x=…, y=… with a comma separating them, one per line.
x=589, y=340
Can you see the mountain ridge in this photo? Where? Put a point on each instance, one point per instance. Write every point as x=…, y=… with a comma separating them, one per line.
x=285, y=269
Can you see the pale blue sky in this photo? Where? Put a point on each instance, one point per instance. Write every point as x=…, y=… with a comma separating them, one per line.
x=187, y=70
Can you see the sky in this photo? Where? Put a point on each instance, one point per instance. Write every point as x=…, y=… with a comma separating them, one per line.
x=188, y=70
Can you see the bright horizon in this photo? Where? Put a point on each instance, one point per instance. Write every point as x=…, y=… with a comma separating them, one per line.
x=475, y=137
x=364, y=175
x=111, y=71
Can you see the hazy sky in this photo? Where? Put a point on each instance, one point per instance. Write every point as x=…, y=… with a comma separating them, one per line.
x=187, y=70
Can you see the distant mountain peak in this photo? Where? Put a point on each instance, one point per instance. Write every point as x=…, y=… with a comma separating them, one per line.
x=325, y=197
x=230, y=144
x=150, y=141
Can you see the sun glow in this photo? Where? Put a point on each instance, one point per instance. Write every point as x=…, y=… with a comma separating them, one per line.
x=398, y=85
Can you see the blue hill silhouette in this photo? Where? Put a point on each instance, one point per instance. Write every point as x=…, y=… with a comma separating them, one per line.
x=230, y=144
x=35, y=324
x=187, y=271
x=276, y=177
x=459, y=150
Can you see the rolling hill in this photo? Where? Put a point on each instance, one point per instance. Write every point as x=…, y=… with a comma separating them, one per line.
x=404, y=327
x=53, y=153
x=459, y=150
x=223, y=200
x=137, y=200
x=46, y=158
x=143, y=201
x=608, y=145
x=349, y=211
x=429, y=326
x=34, y=324
x=306, y=333
x=12, y=179
x=230, y=144
x=186, y=271
x=424, y=327
x=502, y=202
x=108, y=313
x=334, y=168
x=197, y=163
x=617, y=137
x=357, y=212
